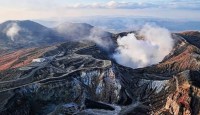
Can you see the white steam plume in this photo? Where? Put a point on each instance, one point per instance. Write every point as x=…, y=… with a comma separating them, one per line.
x=100, y=37
x=81, y=31
x=134, y=53
x=13, y=31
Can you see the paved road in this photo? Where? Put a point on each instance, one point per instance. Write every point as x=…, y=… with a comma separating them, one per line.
x=26, y=80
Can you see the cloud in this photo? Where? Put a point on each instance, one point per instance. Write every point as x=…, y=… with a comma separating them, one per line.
x=174, y=4
x=13, y=31
x=114, y=5
x=184, y=4
x=59, y=9
x=134, y=53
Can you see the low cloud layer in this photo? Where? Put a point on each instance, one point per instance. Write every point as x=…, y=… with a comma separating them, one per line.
x=114, y=5
x=13, y=31
x=54, y=9
x=155, y=45
x=174, y=4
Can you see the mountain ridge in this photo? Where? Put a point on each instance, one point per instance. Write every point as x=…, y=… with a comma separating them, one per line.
x=16, y=34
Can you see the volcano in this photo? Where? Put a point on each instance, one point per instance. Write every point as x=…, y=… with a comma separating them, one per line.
x=80, y=77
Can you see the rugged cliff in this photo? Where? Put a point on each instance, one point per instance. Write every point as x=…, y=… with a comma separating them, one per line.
x=82, y=78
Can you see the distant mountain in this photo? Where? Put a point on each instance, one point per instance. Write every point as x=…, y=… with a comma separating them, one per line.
x=79, y=31
x=16, y=34
x=20, y=34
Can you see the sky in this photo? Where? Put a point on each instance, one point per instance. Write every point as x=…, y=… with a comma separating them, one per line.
x=59, y=9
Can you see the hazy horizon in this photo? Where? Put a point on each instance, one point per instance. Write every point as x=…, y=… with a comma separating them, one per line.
x=60, y=9
x=110, y=15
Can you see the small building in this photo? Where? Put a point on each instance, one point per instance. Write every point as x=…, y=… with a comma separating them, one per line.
x=39, y=60
x=25, y=68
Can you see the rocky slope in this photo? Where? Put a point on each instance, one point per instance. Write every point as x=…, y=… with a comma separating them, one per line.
x=21, y=57
x=81, y=78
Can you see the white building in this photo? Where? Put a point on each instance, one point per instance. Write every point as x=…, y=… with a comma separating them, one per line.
x=39, y=60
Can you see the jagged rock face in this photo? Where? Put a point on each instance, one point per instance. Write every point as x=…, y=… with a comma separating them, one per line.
x=184, y=99
x=81, y=78
x=193, y=37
